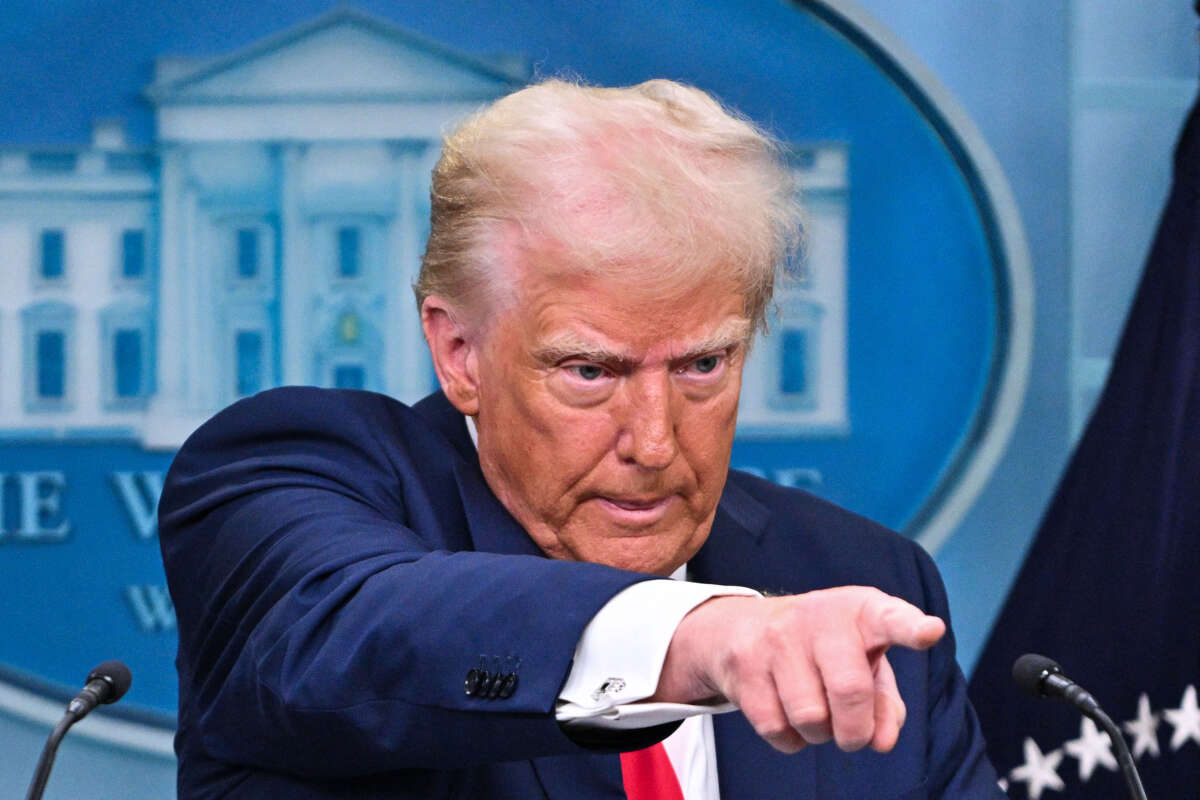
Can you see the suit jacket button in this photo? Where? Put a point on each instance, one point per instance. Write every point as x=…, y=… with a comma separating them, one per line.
x=508, y=686
x=471, y=686
x=498, y=682
x=485, y=683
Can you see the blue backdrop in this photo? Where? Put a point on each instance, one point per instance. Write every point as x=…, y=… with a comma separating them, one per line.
x=924, y=313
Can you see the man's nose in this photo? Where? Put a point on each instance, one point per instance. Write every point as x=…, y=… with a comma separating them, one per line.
x=647, y=436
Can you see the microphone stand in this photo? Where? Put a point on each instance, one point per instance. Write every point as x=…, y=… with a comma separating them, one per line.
x=1132, y=780
x=1042, y=677
x=42, y=774
x=107, y=683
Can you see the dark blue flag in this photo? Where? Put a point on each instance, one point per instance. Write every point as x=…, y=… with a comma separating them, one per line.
x=1111, y=585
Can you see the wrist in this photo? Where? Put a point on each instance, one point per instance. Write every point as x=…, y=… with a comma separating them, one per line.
x=692, y=661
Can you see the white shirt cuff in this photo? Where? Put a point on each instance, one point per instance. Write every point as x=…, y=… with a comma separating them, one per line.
x=620, y=655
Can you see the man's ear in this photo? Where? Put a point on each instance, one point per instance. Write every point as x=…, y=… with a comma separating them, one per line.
x=455, y=354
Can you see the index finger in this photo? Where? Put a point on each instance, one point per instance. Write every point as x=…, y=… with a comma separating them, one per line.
x=884, y=620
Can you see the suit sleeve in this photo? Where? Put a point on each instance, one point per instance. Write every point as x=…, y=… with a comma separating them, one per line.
x=329, y=606
x=959, y=767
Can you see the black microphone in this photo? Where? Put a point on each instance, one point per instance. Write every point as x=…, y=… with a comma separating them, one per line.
x=1043, y=677
x=107, y=683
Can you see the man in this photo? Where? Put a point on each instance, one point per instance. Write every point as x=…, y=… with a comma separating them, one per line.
x=377, y=601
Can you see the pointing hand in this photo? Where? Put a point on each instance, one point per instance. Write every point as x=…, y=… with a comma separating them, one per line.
x=803, y=669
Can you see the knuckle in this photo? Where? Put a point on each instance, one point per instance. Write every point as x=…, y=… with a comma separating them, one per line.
x=774, y=633
x=773, y=729
x=767, y=722
x=809, y=716
x=886, y=613
x=740, y=657
x=850, y=690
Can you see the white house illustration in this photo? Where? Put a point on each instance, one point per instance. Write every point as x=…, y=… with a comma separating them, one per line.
x=271, y=234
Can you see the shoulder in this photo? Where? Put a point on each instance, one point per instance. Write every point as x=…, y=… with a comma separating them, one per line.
x=364, y=442
x=318, y=419
x=833, y=546
x=301, y=409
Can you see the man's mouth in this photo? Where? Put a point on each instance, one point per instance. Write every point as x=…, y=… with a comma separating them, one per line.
x=636, y=510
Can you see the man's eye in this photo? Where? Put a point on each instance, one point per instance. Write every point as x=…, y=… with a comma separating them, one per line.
x=589, y=372
x=706, y=364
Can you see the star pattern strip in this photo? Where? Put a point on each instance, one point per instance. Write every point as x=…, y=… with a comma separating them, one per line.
x=1093, y=748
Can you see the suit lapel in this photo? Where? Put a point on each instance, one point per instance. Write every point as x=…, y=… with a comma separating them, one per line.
x=733, y=552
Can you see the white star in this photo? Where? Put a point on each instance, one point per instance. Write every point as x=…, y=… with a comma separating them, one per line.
x=1039, y=771
x=1186, y=719
x=1144, y=729
x=1091, y=748
x=1003, y=784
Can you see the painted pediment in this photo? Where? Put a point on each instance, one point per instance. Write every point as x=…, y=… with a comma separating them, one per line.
x=343, y=55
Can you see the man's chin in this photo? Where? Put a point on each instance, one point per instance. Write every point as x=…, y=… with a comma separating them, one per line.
x=647, y=566
x=655, y=550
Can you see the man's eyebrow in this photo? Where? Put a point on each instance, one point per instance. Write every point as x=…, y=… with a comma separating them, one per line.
x=569, y=344
x=729, y=334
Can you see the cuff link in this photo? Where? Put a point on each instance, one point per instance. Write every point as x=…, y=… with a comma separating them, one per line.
x=611, y=687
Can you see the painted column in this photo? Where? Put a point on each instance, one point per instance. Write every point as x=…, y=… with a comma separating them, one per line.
x=405, y=358
x=292, y=334
x=169, y=357
x=201, y=349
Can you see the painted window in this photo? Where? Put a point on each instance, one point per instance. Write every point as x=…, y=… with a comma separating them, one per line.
x=793, y=367
x=127, y=363
x=797, y=356
x=53, y=248
x=51, y=360
x=247, y=253
x=47, y=355
x=249, y=356
x=133, y=254
x=127, y=370
x=349, y=376
x=349, y=252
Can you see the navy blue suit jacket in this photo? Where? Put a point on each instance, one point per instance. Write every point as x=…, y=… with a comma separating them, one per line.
x=338, y=565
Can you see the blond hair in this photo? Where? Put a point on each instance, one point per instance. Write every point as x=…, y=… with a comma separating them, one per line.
x=655, y=182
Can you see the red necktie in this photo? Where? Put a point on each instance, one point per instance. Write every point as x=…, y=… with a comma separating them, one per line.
x=648, y=775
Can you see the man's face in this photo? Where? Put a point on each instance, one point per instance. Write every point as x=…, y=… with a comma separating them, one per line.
x=606, y=416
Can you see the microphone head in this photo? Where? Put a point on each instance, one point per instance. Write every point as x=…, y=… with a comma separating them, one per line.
x=116, y=675
x=1031, y=670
